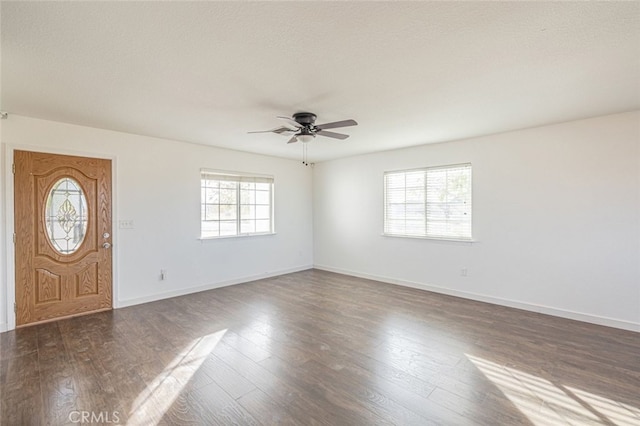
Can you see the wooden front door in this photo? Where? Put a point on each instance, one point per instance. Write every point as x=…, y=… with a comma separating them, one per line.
x=63, y=236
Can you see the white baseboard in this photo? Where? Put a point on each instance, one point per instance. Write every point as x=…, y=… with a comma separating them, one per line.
x=3, y=327
x=578, y=316
x=211, y=286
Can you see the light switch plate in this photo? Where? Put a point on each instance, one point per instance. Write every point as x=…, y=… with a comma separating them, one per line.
x=125, y=224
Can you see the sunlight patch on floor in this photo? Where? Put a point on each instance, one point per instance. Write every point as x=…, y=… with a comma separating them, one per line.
x=262, y=330
x=546, y=403
x=619, y=413
x=160, y=394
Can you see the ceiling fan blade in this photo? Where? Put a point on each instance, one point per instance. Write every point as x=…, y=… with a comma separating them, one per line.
x=279, y=130
x=294, y=139
x=343, y=123
x=334, y=135
x=283, y=129
x=292, y=123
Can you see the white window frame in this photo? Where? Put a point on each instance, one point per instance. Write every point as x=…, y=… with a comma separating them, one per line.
x=468, y=213
x=237, y=178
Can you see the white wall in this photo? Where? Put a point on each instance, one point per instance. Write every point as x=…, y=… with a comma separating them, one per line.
x=158, y=187
x=556, y=216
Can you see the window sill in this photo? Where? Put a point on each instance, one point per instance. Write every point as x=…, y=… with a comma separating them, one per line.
x=443, y=239
x=227, y=237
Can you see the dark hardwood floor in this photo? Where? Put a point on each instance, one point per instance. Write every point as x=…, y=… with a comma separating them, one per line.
x=319, y=348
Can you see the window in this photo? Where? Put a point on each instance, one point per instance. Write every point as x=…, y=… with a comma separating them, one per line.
x=433, y=202
x=235, y=204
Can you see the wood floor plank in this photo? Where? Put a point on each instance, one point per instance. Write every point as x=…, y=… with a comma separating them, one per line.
x=298, y=401
x=60, y=393
x=232, y=381
x=268, y=412
x=22, y=403
x=368, y=391
x=223, y=409
x=19, y=368
x=20, y=342
x=338, y=405
x=318, y=348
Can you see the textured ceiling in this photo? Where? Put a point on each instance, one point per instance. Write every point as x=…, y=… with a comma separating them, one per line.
x=409, y=73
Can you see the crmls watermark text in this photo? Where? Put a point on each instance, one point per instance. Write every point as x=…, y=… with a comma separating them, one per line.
x=89, y=417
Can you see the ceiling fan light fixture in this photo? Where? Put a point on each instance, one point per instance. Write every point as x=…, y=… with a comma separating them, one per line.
x=304, y=138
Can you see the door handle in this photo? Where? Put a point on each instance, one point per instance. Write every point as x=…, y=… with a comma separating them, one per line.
x=106, y=245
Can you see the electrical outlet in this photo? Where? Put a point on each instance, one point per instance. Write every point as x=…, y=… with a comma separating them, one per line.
x=163, y=274
x=463, y=272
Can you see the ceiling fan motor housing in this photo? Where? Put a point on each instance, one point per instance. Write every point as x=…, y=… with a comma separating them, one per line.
x=305, y=118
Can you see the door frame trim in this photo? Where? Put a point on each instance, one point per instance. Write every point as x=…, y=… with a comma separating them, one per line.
x=10, y=271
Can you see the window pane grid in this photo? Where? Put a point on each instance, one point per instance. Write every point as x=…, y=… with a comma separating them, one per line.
x=430, y=202
x=234, y=205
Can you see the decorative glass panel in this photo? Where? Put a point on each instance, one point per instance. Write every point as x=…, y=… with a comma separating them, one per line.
x=66, y=216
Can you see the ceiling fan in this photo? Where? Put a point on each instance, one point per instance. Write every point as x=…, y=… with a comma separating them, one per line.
x=302, y=127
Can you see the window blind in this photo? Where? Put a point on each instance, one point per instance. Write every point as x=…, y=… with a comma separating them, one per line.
x=235, y=204
x=431, y=202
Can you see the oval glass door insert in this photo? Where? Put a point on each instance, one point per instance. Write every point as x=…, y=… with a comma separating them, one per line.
x=66, y=215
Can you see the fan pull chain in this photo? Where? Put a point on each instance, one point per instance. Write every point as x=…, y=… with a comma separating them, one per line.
x=305, y=156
